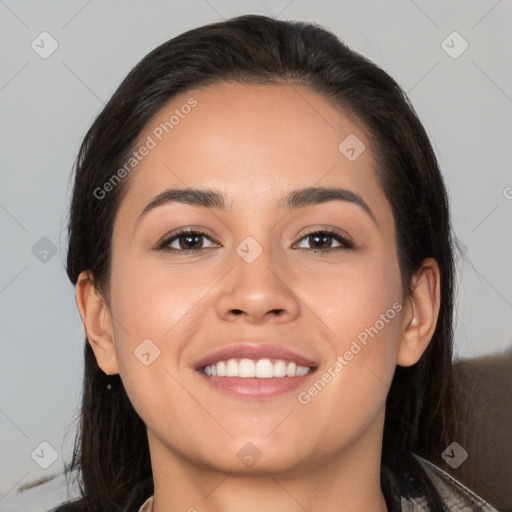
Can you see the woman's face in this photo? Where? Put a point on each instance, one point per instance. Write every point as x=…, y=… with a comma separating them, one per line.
x=252, y=287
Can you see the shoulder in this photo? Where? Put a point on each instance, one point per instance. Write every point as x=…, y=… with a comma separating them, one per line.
x=454, y=494
x=138, y=497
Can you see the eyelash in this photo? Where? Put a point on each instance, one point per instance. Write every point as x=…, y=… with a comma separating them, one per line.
x=338, y=236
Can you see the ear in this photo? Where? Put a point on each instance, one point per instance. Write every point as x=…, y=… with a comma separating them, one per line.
x=97, y=321
x=421, y=313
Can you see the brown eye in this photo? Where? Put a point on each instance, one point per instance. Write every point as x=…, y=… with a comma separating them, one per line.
x=186, y=241
x=321, y=241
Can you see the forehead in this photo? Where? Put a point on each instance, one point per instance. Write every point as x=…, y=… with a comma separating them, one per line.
x=253, y=142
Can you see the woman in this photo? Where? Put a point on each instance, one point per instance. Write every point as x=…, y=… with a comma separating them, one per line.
x=261, y=247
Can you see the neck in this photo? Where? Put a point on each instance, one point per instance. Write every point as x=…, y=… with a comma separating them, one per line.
x=345, y=481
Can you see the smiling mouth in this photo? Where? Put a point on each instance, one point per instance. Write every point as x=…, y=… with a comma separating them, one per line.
x=256, y=368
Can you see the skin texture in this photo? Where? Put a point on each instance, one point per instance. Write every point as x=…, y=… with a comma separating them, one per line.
x=255, y=144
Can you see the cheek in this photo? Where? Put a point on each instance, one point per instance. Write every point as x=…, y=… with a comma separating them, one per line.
x=152, y=308
x=363, y=313
x=369, y=325
x=352, y=297
x=351, y=389
x=151, y=301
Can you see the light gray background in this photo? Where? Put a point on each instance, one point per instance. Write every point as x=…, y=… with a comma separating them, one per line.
x=48, y=104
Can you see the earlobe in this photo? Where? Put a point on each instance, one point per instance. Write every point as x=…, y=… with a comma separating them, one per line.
x=421, y=314
x=97, y=322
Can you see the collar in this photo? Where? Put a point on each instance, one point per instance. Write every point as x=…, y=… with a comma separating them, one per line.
x=147, y=505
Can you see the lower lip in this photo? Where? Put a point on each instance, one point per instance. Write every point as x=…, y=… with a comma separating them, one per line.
x=255, y=388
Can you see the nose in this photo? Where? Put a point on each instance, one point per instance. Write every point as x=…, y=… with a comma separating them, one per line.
x=258, y=292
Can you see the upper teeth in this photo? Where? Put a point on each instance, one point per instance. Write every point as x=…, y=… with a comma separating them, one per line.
x=261, y=369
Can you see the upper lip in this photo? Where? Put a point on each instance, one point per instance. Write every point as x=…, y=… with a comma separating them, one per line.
x=256, y=351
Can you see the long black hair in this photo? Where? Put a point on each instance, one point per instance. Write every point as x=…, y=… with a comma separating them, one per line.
x=111, y=451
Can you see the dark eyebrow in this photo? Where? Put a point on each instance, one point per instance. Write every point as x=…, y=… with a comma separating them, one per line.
x=211, y=198
x=207, y=198
x=317, y=195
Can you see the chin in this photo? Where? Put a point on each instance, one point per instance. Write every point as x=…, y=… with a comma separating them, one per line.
x=257, y=456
